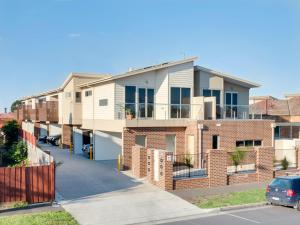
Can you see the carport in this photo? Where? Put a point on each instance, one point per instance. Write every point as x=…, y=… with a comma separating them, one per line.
x=80, y=138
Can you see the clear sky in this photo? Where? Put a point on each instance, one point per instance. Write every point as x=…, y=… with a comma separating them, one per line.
x=42, y=41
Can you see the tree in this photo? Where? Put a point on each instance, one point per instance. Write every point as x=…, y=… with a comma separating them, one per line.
x=285, y=163
x=237, y=157
x=17, y=153
x=11, y=133
x=15, y=105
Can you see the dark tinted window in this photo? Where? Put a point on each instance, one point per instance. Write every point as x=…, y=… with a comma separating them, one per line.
x=240, y=144
x=215, y=142
x=150, y=95
x=281, y=183
x=228, y=98
x=206, y=93
x=142, y=95
x=249, y=143
x=216, y=93
x=175, y=95
x=130, y=94
x=257, y=143
x=185, y=96
x=234, y=99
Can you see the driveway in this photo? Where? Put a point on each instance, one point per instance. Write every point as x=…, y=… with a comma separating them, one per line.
x=95, y=194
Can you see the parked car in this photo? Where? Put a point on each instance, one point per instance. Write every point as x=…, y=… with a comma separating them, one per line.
x=86, y=149
x=54, y=140
x=284, y=191
x=43, y=139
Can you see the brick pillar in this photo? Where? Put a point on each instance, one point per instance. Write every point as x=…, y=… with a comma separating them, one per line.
x=217, y=168
x=264, y=163
x=67, y=131
x=139, y=161
x=164, y=168
x=37, y=130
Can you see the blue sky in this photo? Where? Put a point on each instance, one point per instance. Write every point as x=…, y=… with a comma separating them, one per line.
x=42, y=41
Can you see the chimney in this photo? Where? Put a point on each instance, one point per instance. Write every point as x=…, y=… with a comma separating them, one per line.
x=5, y=110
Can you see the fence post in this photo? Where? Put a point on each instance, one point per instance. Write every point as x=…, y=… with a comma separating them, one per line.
x=217, y=168
x=264, y=157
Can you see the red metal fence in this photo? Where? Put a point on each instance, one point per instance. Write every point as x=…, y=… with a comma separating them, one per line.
x=34, y=184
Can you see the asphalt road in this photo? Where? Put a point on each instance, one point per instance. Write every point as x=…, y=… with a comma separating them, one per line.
x=269, y=215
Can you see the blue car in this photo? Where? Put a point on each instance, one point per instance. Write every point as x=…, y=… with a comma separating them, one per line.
x=284, y=191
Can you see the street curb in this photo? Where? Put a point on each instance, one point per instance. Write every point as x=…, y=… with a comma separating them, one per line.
x=246, y=206
x=32, y=206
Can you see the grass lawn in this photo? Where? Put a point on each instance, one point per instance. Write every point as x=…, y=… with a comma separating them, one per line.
x=237, y=198
x=45, y=218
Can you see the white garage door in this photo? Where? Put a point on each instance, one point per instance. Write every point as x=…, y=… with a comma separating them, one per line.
x=55, y=129
x=43, y=130
x=77, y=140
x=108, y=145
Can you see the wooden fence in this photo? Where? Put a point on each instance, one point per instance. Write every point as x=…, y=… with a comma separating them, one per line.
x=34, y=184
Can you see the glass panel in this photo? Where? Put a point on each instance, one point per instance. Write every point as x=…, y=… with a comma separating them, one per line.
x=140, y=140
x=218, y=111
x=215, y=141
x=175, y=111
x=228, y=98
x=206, y=93
x=142, y=110
x=185, y=95
x=130, y=109
x=228, y=111
x=240, y=143
x=150, y=110
x=142, y=95
x=130, y=94
x=217, y=94
x=257, y=143
x=175, y=95
x=150, y=95
x=171, y=142
x=249, y=143
x=234, y=99
x=185, y=111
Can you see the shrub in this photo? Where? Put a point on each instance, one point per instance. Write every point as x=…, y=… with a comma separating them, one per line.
x=237, y=157
x=285, y=163
x=11, y=133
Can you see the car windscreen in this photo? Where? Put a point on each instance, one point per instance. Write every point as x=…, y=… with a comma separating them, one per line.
x=281, y=183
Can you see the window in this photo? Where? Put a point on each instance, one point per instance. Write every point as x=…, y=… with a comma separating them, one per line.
x=171, y=142
x=130, y=97
x=217, y=95
x=78, y=97
x=141, y=140
x=231, y=104
x=249, y=143
x=215, y=142
x=103, y=102
x=88, y=93
x=180, y=102
x=146, y=102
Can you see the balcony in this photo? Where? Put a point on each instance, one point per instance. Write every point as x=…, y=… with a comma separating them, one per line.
x=159, y=111
x=48, y=111
x=33, y=114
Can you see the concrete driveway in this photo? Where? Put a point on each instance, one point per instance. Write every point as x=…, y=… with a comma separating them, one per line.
x=95, y=193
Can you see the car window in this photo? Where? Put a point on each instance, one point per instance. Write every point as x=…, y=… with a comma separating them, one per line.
x=296, y=185
x=281, y=183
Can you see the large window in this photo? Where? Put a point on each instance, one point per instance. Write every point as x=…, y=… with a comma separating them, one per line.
x=141, y=140
x=146, y=103
x=180, y=102
x=231, y=104
x=217, y=94
x=130, y=96
x=88, y=93
x=78, y=97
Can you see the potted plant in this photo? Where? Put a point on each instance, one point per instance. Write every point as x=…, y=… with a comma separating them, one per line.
x=237, y=157
x=129, y=114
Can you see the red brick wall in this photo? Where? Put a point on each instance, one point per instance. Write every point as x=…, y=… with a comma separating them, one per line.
x=192, y=183
x=156, y=138
x=139, y=161
x=232, y=130
x=217, y=168
x=242, y=178
x=280, y=173
x=67, y=131
x=264, y=163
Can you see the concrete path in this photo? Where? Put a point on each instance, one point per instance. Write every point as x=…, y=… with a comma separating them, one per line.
x=95, y=194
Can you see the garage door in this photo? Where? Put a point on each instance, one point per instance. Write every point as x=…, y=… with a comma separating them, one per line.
x=77, y=140
x=43, y=130
x=55, y=129
x=108, y=145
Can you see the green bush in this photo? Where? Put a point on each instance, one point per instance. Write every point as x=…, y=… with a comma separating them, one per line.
x=237, y=157
x=285, y=164
x=11, y=133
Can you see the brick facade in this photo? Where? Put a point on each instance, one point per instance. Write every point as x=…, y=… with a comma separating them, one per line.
x=67, y=133
x=191, y=183
x=236, y=130
x=139, y=161
x=264, y=163
x=217, y=168
x=156, y=138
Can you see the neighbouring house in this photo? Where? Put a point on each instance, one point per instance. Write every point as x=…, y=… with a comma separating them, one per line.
x=5, y=117
x=55, y=112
